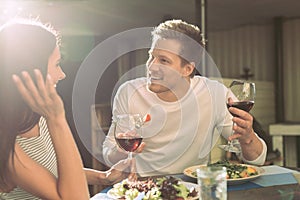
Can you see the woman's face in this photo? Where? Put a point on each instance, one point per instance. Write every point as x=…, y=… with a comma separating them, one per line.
x=54, y=68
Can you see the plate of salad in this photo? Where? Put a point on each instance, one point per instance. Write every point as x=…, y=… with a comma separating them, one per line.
x=236, y=173
x=163, y=188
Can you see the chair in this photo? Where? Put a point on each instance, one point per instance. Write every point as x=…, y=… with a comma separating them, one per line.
x=101, y=116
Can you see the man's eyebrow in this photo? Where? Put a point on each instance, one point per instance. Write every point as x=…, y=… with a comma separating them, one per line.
x=165, y=57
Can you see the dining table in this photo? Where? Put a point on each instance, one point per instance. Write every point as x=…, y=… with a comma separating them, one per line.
x=274, y=183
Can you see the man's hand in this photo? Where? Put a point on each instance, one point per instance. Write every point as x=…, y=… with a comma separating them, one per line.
x=122, y=170
x=243, y=130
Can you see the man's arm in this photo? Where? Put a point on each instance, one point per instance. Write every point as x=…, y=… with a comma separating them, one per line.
x=111, y=152
x=253, y=148
x=247, y=155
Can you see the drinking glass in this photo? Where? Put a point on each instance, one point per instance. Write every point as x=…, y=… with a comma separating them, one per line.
x=244, y=92
x=128, y=132
x=212, y=182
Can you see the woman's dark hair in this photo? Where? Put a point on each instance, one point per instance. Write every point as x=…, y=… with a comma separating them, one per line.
x=25, y=45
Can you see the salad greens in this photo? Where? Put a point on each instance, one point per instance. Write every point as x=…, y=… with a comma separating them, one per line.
x=164, y=188
x=234, y=171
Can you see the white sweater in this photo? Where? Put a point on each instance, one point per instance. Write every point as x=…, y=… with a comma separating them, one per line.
x=180, y=134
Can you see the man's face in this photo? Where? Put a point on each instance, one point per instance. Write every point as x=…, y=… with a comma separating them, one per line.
x=164, y=66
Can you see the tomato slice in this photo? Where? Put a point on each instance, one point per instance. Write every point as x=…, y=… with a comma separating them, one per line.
x=147, y=118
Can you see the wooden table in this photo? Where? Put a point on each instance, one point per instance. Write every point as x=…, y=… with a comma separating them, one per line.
x=282, y=192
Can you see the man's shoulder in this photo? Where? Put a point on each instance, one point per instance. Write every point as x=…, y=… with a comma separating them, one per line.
x=208, y=82
x=140, y=80
x=134, y=84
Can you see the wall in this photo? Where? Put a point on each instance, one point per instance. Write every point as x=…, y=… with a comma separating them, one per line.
x=253, y=46
x=291, y=73
x=247, y=46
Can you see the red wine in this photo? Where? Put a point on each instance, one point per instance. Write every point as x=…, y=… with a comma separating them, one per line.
x=129, y=144
x=243, y=105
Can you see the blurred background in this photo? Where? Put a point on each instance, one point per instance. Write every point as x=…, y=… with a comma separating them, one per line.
x=256, y=40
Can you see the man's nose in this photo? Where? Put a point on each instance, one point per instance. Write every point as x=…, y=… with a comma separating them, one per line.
x=154, y=65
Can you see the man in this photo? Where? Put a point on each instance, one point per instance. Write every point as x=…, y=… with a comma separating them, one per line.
x=188, y=112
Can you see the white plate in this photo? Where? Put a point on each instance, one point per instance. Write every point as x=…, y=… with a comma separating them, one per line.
x=190, y=171
x=110, y=194
x=189, y=185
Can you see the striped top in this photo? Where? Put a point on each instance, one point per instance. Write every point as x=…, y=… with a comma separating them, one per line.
x=41, y=150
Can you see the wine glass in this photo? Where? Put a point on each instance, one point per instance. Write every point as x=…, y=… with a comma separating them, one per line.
x=128, y=132
x=245, y=93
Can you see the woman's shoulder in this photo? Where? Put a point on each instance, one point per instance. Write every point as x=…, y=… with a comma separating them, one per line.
x=12, y=168
x=7, y=188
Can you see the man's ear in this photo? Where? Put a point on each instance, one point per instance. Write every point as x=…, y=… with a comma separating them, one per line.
x=189, y=68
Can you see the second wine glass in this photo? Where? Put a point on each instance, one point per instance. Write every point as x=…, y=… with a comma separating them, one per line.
x=245, y=93
x=128, y=132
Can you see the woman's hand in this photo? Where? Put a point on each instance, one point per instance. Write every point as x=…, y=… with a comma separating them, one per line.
x=41, y=97
x=71, y=181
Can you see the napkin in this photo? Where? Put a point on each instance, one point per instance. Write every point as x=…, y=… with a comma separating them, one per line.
x=276, y=175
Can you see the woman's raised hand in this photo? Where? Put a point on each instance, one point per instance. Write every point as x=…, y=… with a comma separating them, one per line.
x=42, y=96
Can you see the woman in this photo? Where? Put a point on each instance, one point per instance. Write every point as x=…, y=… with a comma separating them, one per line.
x=39, y=158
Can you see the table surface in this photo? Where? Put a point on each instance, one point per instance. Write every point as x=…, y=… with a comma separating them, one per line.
x=275, y=183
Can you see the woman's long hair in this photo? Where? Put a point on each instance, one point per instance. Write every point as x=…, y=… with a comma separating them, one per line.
x=24, y=46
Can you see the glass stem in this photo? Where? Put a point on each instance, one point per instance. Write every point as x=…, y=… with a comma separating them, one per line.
x=130, y=155
x=230, y=142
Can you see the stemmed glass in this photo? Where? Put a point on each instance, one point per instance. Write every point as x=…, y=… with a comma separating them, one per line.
x=245, y=93
x=128, y=132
